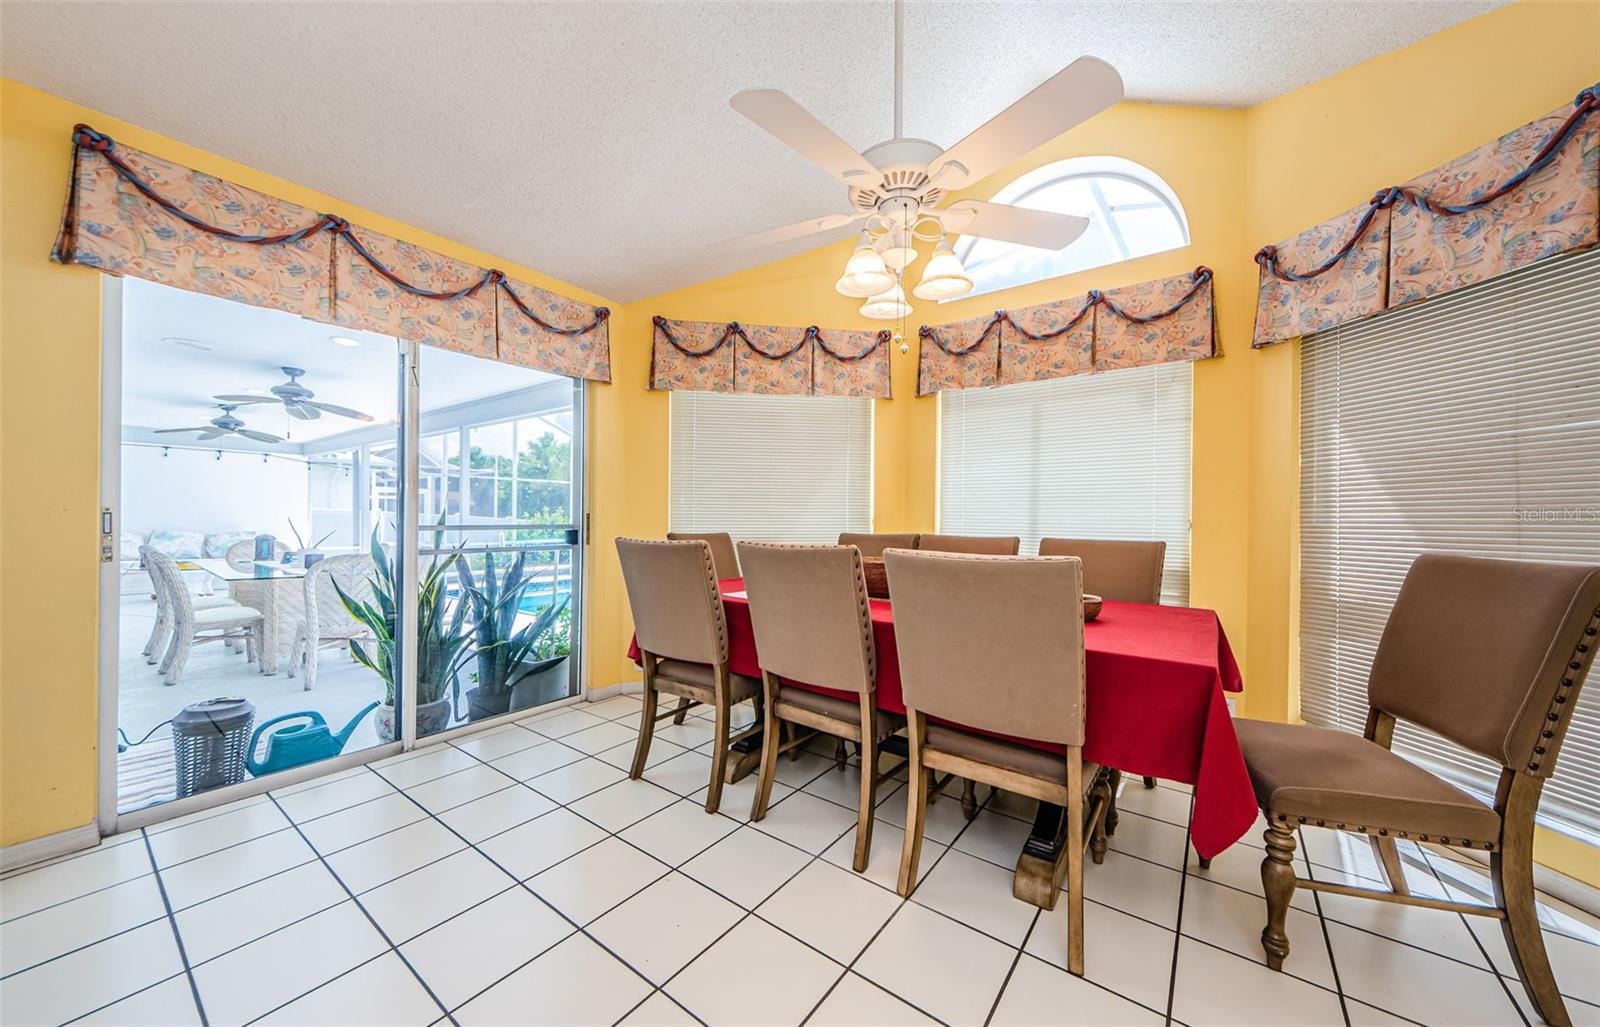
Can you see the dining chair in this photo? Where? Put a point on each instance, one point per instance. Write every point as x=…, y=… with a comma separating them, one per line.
x=991, y=648
x=192, y=626
x=682, y=632
x=980, y=544
x=873, y=544
x=1122, y=571
x=1490, y=654
x=812, y=623
x=326, y=622
x=155, y=646
x=722, y=552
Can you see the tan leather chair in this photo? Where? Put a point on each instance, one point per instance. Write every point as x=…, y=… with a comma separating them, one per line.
x=873, y=544
x=979, y=544
x=683, y=639
x=995, y=644
x=808, y=605
x=1488, y=653
x=721, y=543
x=1124, y=572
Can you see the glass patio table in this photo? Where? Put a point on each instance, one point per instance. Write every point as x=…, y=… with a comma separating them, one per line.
x=276, y=589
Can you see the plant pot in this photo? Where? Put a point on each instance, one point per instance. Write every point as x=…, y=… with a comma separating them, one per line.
x=547, y=682
x=431, y=717
x=482, y=703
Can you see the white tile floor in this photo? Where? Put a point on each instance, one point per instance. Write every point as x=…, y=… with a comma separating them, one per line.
x=514, y=877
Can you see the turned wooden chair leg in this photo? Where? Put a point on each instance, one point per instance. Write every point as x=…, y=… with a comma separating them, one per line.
x=969, y=798
x=1389, y=858
x=1100, y=796
x=841, y=755
x=681, y=712
x=1512, y=874
x=1277, y=880
x=1114, y=779
x=916, y=806
x=771, y=742
x=647, y=730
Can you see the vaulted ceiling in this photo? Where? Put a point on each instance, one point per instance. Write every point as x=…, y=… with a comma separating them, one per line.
x=593, y=140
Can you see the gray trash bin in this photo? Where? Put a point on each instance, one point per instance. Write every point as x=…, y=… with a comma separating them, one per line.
x=209, y=743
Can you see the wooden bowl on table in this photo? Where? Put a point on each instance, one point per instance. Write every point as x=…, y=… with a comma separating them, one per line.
x=877, y=576
x=1091, y=606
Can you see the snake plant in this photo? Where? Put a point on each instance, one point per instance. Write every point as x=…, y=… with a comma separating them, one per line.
x=506, y=653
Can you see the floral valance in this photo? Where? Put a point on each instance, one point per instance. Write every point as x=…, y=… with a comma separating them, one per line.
x=1531, y=194
x=1169, y=319
x=129, y=213
x=705, y=356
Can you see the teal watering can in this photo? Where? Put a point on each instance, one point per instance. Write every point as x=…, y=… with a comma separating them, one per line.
x=301, y=743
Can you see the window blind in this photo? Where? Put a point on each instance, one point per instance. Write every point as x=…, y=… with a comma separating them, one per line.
x=770, y=468
x=1091, y=456
x=1467, y=424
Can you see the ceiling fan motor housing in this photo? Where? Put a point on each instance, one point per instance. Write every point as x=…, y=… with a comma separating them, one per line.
x=903, y=191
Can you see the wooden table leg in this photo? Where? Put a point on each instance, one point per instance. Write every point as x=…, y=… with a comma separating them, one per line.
x=1111, y=806
x=744, y=757
x=1034, y=880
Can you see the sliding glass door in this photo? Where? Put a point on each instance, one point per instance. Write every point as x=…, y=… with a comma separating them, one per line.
x=320, y=545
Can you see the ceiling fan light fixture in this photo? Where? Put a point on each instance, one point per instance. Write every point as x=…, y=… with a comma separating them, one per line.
x=944, y=277
x=899, y=248
x=865, y=273
x=889, y=305
x=343, y=340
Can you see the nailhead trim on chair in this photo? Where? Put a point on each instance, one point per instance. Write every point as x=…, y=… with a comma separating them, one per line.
x=1460, y=843
x=1560, y=706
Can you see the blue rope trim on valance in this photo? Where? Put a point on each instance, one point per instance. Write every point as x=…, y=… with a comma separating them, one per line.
x=881, y=339
x=734, y=330
x=1198, y=278
x=86, y=138
x=1586, y=103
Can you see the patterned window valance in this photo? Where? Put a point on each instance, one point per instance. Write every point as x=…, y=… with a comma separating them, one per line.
x=1531, y=194
x=705, y=356
x=1169, y=319
x=129, y=213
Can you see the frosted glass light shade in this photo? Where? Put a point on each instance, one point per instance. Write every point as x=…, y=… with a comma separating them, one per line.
x=899, y=250
x=865, y=273
x=944, y=277
x=887, y=306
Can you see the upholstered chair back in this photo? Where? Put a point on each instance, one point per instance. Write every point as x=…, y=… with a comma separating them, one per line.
x=970, y=544
x=672, y=591
x=808, y=605
x=991, y=642
x=1124, y=572
x=722, y=552
x=873, y=544
x=1490, y=654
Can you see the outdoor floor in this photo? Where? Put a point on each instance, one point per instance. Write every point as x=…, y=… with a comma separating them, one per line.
x=516, y=877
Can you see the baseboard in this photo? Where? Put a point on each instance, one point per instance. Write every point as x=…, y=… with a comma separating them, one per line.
x=37, y=850
x=1552, y=882
x=620, y=688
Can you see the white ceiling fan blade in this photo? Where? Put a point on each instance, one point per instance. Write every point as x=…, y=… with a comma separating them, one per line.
x=334, y=408
x=211, y=433
x=169, y=431
x=258, y=436
x=780, y=115
x=1076, y=93
x=241, y=399
x=302, y=411
x=1042, y=228
x=787, y=232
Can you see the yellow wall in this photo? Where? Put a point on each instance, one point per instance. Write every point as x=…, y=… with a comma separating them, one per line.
x=1245, y=177
x=50, y=376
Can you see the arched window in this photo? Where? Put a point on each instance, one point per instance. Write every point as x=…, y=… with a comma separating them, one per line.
x=1132, y=213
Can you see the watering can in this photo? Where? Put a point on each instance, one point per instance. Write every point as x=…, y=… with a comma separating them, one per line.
x=299, y=743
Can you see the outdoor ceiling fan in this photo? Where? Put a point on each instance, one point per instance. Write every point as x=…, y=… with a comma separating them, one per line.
x=227, y=424
x=296, y=399
x=895, y=186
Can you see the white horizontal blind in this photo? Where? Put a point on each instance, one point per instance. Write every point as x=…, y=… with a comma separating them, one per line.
x=1091, y=456
x=1467, y=424
x=771, y=468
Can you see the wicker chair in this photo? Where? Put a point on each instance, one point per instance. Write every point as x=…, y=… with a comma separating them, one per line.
x=327, y=623
x=162, y=629
x=192, y=626
x=241, y=556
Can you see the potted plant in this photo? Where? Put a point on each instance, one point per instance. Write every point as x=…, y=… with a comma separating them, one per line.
x=301, y=551
x=547, y=671
x=442, y=641
x=507, y=654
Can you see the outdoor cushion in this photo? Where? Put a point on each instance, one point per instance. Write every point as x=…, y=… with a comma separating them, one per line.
x=216, y=546
x=180, y=545
x=1340, y=779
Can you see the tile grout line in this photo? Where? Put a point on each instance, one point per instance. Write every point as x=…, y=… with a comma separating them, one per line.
x=994, y=1007
x=370, y=919
x=1493, y=969
x=177, y=936
x=1327, y=938
x=1177, y=926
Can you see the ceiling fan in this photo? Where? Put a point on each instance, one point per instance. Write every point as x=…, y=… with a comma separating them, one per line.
x=296, y=399
x=895, y=186
x=227, y=424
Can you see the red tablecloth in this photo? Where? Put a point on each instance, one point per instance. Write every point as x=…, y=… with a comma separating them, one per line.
x=1155, y=682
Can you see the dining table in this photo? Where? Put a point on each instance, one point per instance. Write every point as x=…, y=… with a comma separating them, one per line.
x=1155, y=705
x=276, y=589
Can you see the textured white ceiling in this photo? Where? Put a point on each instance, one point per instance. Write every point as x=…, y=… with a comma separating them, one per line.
x=593, y=140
